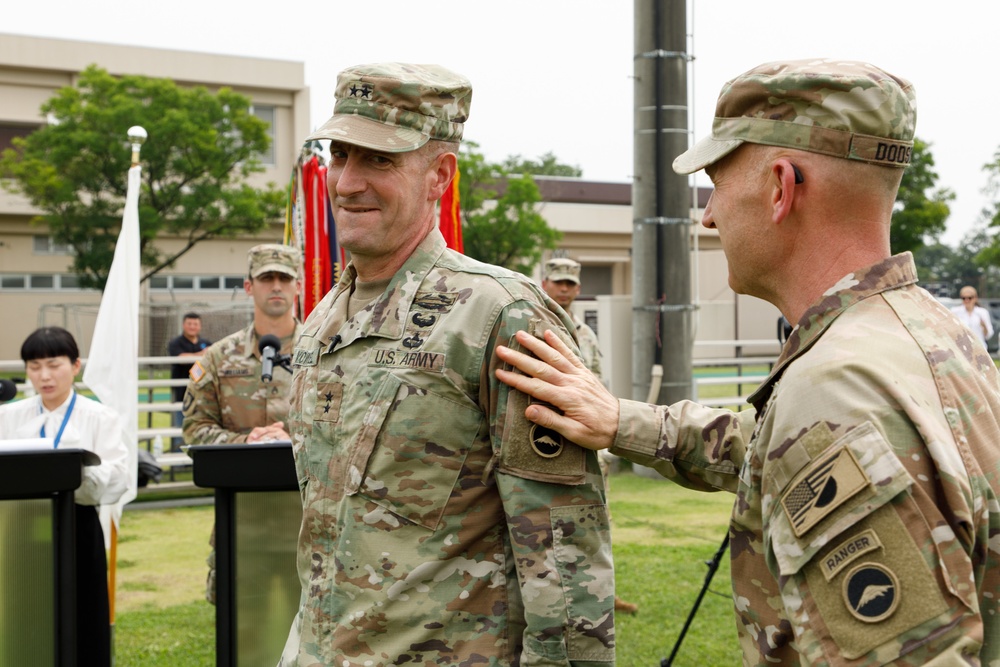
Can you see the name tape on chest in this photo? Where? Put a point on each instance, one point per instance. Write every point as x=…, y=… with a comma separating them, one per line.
x=433, y=362
x=305, y=357
x=235, y=372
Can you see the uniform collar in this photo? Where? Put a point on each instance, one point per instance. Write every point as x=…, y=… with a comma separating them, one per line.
x=890, y=273
x=385, y=316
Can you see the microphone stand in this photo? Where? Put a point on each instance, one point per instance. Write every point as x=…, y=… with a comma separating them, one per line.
x=713, y=565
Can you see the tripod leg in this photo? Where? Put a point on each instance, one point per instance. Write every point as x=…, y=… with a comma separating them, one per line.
x=713, y=565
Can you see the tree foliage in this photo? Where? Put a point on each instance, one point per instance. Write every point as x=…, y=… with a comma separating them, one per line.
x=989, y=253
x=546, y=165
x=201, y=147
x=921, y=210
x=500, y=223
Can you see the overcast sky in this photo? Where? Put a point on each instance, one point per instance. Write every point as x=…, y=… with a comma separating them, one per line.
x=555, y=75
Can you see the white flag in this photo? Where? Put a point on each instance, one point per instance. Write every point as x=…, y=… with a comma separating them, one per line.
x=112, y=370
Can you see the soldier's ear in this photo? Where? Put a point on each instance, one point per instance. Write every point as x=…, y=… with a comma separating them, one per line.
x=441, y=172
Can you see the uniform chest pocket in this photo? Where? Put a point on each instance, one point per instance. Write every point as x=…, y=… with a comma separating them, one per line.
x=411, y=450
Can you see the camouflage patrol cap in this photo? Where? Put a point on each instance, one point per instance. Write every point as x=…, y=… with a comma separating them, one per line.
x=396, y=107
x=273, y=257
x=851, y=110
x=562, y=268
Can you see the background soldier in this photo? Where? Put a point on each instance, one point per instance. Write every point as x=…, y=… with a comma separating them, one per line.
x=226, y=400
x=562, y=282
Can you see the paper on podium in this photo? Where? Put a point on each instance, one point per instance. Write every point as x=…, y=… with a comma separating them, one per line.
x=30, y=444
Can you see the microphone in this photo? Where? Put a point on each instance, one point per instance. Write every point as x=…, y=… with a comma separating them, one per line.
x=269, y=347
x=8, y=390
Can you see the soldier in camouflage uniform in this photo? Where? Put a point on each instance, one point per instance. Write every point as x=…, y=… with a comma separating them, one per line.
x=562, y=282
x=226, y=399
x=439, y=527
x=866, y=523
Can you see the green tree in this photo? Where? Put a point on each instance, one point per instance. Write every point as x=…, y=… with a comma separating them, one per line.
x=921, y=211
x=201, y=147
x=500, y=223
x=546, y=165
x=989, y=253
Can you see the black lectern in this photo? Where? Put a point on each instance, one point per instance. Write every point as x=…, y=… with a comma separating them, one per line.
x=258, y=512
x=38, y=554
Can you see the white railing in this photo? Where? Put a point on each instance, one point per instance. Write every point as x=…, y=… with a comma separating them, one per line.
x=743, y=384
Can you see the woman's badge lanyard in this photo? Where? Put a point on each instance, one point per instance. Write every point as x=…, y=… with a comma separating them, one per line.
x=62, y=427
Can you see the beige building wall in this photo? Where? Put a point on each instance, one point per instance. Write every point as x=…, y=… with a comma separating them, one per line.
x=31, y=70
x=599, y=236
x=595, y=218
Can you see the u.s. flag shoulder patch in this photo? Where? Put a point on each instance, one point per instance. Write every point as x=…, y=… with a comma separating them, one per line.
x=197, y=372
x=826, y=485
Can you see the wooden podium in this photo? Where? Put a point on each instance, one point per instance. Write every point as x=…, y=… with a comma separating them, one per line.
x=258, y=512
x=38, y=554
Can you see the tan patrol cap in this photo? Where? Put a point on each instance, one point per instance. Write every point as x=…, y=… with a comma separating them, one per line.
x=851, y=110
x=276, y=257
x=562, y=268
x=397, y=107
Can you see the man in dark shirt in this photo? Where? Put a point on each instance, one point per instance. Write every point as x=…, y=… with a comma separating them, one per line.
x=188, y=344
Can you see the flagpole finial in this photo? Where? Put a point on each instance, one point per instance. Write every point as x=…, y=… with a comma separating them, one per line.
x=137, y=135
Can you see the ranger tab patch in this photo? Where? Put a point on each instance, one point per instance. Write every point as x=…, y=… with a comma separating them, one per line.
x=827, y=484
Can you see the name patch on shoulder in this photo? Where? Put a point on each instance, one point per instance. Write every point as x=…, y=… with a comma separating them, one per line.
x=425, y=361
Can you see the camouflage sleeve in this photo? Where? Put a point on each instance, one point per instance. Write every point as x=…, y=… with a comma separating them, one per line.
x=203, y=408
x=693, y=445
x=868, y=527
x=553, y=498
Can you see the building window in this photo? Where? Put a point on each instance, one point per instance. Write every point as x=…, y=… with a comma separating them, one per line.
x=41, y=282
x=46, y=281
x=266, y=113
x=46, y=245
x=160, y=283
x=8, y=131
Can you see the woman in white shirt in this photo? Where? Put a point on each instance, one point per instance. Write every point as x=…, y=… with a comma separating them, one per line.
x=52, y=362
x=976, y=318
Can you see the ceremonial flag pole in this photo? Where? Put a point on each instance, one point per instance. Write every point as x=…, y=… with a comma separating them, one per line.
x=112, y=370
x=451, y=216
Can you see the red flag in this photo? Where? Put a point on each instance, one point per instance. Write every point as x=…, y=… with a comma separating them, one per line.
x=317, y=268
x=451, y=216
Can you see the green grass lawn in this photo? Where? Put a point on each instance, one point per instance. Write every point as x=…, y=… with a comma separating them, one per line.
x=663, y=535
